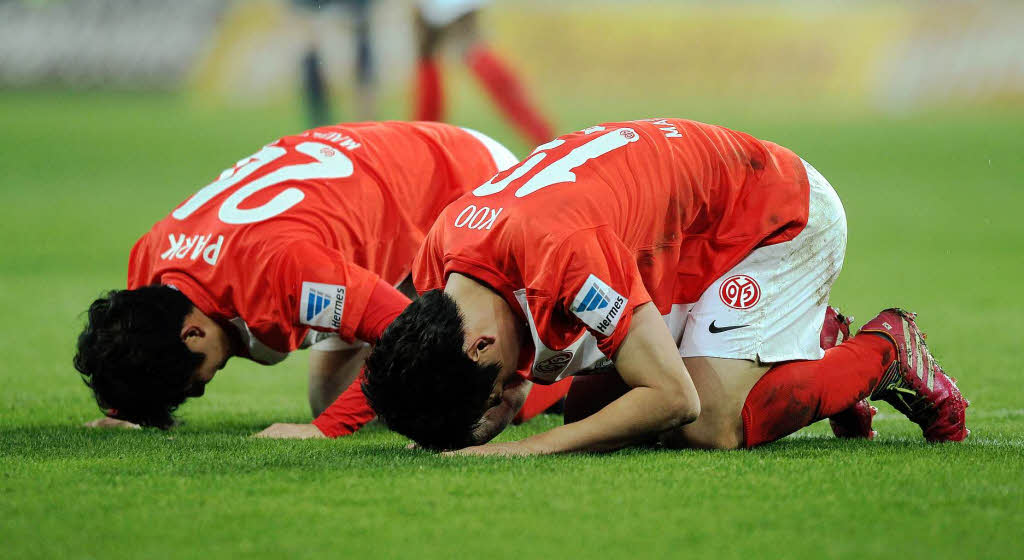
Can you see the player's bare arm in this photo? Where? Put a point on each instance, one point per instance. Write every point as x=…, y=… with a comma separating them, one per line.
x=499, y=416
x=662, y=397
x=107, y=422
x=330, y=373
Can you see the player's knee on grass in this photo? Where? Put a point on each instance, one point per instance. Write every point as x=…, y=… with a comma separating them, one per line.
x=723, y=385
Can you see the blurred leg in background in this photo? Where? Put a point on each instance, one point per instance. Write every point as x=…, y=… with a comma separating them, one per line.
x=456, y=22
x=318, y=18
x=366, y=78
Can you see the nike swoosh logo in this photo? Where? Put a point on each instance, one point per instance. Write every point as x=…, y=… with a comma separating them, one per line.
x=716, y=330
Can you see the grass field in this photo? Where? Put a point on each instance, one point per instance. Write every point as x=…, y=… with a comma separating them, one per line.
x=934, y=204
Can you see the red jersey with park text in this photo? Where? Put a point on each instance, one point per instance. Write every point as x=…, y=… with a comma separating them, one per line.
x=291, y=241
x=595, y=223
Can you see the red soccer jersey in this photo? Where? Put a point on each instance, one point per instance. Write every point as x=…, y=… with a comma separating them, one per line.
x=598, y=222
x=292, y=240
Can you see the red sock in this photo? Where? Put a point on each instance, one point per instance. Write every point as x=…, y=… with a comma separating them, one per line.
x=507, y=91
x=541, y=398
x=429, y=95
x=797, y=394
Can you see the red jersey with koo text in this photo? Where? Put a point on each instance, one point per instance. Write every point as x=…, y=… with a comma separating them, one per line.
x=595, y=223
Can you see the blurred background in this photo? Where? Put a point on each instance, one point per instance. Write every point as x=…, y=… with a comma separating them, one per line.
x=114, y=111
x=580, y=60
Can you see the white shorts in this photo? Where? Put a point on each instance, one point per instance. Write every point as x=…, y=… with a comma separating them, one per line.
x=439, y=13
x=771, y=306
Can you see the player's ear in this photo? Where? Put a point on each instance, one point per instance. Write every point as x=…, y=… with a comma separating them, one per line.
x=477, y=349
x=192, y=326
x=191, y=331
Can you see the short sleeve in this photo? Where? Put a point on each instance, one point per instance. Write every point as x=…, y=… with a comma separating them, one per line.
x=428, y=266
x=320, y=289
x=600, y=286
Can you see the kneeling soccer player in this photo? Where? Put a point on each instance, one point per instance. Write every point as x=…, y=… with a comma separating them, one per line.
x=695, y=260
x=299, y=245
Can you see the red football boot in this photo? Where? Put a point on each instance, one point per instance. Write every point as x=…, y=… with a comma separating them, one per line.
x=915, y=384
x=835, y=329
x=854, y=422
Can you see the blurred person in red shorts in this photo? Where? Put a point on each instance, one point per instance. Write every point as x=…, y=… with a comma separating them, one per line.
x=456, y=22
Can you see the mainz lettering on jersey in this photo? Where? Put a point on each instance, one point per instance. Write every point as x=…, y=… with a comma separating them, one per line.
x=342, y=140
x=192, y=246
x=472, y=217
x=668, y=128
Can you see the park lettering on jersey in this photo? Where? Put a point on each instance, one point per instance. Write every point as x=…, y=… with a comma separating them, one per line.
x=192, y=246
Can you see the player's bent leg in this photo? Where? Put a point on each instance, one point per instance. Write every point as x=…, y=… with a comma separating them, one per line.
x=428, y=96
x=723, y=385
x=796, y=394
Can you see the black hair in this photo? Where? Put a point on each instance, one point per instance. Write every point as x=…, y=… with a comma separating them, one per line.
x=421, y=382
x=132, y=357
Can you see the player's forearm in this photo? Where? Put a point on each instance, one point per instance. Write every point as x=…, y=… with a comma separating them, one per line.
x=632, y=418
x=499, y=417
x=330, y=373
x=662, y=398
x=321, y=397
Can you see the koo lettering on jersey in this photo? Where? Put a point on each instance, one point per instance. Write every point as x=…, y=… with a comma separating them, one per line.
x=472, y=217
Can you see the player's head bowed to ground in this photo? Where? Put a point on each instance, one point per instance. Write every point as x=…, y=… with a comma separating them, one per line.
x=429, y=387
x=273, y=256
x=141, y=355
x=692, y=261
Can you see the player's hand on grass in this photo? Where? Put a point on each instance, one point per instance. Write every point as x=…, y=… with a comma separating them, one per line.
x=282, y=430
x=507, y=449
x=108, y=422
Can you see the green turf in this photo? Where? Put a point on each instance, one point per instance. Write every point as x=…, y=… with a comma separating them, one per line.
x=932, y=203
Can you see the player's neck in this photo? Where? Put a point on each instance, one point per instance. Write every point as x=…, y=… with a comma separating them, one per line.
x=483, y=310
x=227, y=337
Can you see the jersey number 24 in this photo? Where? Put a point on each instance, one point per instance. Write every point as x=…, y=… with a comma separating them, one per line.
x=329, y=164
